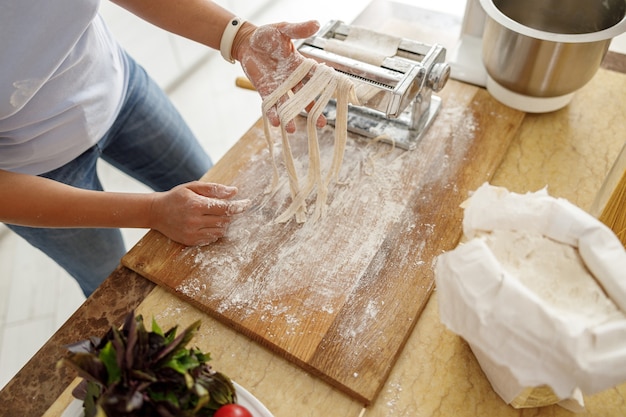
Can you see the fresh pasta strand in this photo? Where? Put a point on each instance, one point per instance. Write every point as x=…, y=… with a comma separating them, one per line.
x=324, y=84
x=271, y=100
x=314, y=176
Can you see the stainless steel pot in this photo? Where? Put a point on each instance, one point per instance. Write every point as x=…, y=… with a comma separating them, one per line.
x=537, y=53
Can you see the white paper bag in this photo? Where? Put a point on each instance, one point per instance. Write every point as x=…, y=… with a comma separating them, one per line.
x=520, y=340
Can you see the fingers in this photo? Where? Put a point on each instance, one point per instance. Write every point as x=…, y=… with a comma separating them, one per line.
x=214, y=224
x=299, y=30
x=226, y=208
x=290, y=127
x=217, y=215
x=272, y=116
x=321, y=119
x=213, y=190
x=196, y=213
x=238, y=207
x=215, y=198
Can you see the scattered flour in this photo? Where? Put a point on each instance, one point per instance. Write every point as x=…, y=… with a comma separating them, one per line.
x=240, y=284
x=271, y=281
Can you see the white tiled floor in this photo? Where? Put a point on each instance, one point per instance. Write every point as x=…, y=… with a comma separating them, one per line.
x=36, y=296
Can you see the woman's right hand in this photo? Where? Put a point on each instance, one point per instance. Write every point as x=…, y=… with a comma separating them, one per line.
x=268, y=57
x=195, y=213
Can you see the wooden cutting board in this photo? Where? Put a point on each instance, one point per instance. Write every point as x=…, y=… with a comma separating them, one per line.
x=340, y=296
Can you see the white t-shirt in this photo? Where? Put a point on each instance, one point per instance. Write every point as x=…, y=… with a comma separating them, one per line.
x=62, y=82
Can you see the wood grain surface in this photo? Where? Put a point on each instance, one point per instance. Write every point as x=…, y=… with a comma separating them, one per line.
x=340, y=296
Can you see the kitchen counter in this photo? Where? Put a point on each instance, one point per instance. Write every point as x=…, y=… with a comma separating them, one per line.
x=569, y=151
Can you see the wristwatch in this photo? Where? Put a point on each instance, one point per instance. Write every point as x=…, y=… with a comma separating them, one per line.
x=226, y=43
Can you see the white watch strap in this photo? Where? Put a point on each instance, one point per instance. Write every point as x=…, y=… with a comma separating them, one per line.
x=226, y=44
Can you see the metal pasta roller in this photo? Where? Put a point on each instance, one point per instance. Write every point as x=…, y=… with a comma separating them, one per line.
x=395, y=87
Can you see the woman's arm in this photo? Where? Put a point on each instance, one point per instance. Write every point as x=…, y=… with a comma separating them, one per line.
x=266, y=53
x=195, y=213
x=202, y=21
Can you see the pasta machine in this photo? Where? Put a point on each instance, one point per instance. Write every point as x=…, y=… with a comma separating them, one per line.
x=395, y=88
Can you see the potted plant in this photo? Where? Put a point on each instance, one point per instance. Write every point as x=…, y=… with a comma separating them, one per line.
x=135, y=372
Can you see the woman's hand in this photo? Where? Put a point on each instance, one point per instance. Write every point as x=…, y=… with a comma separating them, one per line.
x=268, y=56
x=195, y=213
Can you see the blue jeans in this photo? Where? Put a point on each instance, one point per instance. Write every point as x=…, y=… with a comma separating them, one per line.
x=150, y=142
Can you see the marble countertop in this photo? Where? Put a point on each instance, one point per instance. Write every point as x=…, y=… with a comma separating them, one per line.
x=569, y=151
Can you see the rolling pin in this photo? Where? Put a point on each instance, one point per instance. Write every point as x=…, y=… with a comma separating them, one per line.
x=243, y=82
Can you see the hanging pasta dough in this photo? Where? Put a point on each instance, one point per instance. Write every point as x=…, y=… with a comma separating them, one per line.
x=324, y=84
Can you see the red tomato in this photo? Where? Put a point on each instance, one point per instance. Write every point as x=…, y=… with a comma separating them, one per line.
x=232, y=410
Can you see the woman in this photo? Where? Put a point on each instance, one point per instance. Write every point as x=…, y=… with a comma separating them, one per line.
x=70, y=95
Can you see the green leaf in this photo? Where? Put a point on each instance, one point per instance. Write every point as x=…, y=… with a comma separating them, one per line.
x=155, y=327
x=202, y=357
x=182, y=362
x=189, y=382
x=178, y=343
x=108, y=356
x=93, y=392
x=170, y=335
x=169, y=397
